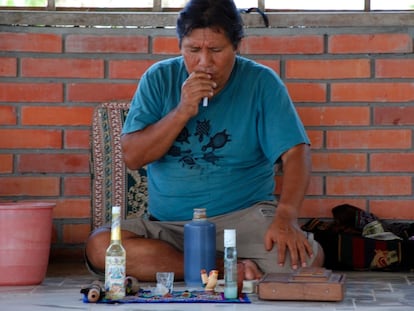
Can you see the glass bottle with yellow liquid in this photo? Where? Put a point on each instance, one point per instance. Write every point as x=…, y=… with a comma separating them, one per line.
x=115, y=260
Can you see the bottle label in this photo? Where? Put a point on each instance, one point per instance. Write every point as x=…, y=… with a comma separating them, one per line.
x=115, y=277
x=229, y=238
x=116, y=227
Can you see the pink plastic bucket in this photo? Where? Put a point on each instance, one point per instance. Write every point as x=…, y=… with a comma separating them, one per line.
x=25, y=237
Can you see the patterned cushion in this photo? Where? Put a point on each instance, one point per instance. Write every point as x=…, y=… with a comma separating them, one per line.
x=112, y=182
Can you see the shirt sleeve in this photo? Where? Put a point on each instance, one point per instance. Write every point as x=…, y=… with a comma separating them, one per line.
x=146, y=104
x=279, y=125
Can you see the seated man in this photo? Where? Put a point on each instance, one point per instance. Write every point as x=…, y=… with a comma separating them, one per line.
x=219, y=155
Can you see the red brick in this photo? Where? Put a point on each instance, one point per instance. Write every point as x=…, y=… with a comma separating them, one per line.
x=30, y=42
x=392, y=209
x=307, y=92
x=165, y=45
x=327, y=69
x=75, y=139
x=106, y=44
x=341, y=162
x=370, y=43
x=271, y=63
x=394, y=68
x=77, y=186
x=392, y=162
x=369, y=139
x=29, y=186
x=7, y=115
x=8, y=66
x=322, y=207
x=6, y=163
x=316, y=137
x=72, y=208
x=100, y=92
x=372, y=92
x=308, y=44
x=390, y=115
x=53, y=163
x=315, y=185
x=51, y=115
x=31, y=92
x=330, y=116
x=62, y=68
x=76, y=233
x=30, y=138
x=128, y=69
x=368, y=185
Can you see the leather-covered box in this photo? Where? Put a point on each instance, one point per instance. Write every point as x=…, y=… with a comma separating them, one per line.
x=314, y=284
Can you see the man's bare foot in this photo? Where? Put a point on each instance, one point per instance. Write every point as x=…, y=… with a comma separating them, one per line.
x=251, y=271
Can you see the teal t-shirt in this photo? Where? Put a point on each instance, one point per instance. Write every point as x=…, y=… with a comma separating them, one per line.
x=224, y=158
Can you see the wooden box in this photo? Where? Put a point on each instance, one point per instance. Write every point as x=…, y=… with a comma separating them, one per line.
x=317, y=284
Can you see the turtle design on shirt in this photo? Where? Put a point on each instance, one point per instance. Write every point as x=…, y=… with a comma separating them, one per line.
x=188, y=157
x=202, y=129
x=183, y=136
x=188, y=161
x=210, y=157
x=218, y=141
x=177, y=151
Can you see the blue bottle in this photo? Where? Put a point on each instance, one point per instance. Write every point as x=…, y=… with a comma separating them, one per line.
x=199, y=247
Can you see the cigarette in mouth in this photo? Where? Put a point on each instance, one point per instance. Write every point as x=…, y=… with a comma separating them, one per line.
x=205, y=101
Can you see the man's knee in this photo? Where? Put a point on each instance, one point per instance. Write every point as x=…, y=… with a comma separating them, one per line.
x=96, y=246
x=319, y=258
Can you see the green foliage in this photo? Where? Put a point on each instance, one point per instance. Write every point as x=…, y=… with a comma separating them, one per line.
x=23, y=3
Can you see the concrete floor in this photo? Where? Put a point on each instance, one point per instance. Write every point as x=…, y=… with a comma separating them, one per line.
x=379, y=291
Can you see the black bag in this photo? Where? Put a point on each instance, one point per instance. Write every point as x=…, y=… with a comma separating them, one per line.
x=346, y=249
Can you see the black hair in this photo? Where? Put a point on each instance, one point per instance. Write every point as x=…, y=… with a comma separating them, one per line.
x=220, y=14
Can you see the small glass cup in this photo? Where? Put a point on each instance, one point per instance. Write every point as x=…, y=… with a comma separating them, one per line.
x=166, y=279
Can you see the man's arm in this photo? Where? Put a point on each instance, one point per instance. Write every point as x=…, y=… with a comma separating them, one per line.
x=151, y=143
x=285, y=231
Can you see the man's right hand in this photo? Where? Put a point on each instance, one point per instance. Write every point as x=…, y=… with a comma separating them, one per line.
x=197, y=86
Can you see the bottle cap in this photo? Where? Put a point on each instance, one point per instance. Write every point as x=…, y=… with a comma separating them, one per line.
x=229, y=237
x=199, y=213
x=116, y=209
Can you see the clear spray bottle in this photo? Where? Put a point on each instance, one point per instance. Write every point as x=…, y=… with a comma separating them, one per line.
x=230, y=264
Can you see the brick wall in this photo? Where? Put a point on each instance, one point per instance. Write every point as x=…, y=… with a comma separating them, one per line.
x=353, y=88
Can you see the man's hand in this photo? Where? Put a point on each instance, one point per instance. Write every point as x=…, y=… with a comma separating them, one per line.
x=287, y=235
x=284, y=230
x=197, y=86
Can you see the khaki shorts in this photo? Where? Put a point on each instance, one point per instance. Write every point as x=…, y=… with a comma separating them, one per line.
x=250, y=224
